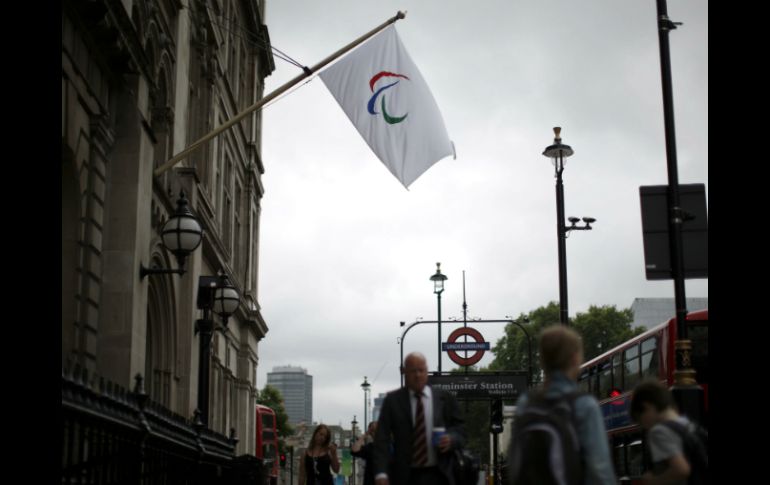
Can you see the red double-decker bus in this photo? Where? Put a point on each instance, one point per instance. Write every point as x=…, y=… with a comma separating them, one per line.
x=267, y=441
x=611, y=378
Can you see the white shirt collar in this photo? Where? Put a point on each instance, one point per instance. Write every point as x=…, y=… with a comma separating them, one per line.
x=425, y=390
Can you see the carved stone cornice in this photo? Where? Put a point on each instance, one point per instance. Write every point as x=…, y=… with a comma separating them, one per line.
x=162, y=117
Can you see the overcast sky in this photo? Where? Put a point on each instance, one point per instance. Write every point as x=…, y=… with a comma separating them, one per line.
x=346, y=252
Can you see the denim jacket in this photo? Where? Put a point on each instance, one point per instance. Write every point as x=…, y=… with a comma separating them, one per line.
x=589, y=425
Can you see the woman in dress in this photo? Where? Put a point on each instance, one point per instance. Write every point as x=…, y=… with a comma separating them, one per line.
x=319, y=459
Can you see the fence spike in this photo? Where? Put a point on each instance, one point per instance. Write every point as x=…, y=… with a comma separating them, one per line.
x=84, y=377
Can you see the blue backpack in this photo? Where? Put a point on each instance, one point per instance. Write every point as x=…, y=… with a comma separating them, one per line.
x=544, y=444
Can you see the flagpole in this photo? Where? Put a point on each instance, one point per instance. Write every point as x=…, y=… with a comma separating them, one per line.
x=266, y=99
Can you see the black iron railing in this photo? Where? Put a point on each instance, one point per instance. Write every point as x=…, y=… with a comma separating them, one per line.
x=114, y=436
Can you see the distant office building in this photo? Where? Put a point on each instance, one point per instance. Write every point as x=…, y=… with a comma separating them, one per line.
x=649, y=312
x=296, y=387
x=377, y=406
x=339, y=434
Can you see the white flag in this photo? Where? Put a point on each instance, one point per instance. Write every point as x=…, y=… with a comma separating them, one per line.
x=382, y=92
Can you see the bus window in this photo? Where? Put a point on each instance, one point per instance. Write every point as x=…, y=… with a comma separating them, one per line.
x=605, y=379
x=649, y=344
x=584, y=382
x=631, y=360
x=619, y=457
x=584, y=374
x=635, y=458
x=617, y=373
x=699, y=335
x=595, y=382
x=267, y=421
x=268, y=451
x=589, y=380
x=650, y=358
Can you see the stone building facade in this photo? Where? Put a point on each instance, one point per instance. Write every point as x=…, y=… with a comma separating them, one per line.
x=142, y=80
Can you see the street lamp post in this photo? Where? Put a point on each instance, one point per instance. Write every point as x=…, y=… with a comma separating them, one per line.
x=438, y=288
x=353, y=458
x=558, y=152
x=215, y=293
x=687, y=394
x=365, y=386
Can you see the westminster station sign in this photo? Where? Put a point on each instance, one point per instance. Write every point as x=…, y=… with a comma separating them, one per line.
x=507, y=385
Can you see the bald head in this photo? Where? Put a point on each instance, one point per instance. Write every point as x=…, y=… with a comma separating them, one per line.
x=415, y=357
x=415, y=371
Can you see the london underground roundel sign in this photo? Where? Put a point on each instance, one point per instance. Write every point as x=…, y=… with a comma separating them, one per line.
x=451, y=346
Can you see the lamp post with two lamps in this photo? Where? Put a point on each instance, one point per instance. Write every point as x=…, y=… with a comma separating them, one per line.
x=353, y=440
x=558, y=152
x=438, y=288
x=215, y=294
x=182, y=234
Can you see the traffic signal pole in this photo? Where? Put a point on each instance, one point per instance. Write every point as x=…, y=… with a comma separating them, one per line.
x=496, y=427
x=291, y=465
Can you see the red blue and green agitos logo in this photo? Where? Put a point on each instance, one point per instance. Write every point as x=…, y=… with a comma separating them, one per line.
x=392, y=120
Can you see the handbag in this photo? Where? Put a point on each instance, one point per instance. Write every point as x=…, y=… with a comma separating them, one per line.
x=465, y=467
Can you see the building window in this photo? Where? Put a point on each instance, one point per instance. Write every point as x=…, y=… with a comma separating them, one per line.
x=217, y=189
x=233, y=68
x=253, y=249
x=244, y=74
x=227, y=209
x=198, y=112
x=238, y=265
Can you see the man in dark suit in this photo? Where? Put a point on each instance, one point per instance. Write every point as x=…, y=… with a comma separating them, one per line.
x=403, y=450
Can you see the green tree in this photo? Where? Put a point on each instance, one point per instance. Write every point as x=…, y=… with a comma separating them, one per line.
x=476, y=417
x=512, y=350
x=603, y=328
x=600, y=327
x=272, y=398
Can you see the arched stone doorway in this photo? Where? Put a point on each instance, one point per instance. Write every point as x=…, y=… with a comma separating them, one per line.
x=160, y=356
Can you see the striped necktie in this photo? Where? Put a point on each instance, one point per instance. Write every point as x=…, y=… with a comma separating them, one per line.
x=419, y=443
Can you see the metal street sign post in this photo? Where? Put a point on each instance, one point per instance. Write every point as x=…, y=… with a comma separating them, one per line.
x=480, y=339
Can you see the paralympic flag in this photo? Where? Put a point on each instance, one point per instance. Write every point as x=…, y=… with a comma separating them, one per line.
x=383, y=93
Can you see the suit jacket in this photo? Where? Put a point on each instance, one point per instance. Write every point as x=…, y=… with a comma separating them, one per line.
x=393, y=441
